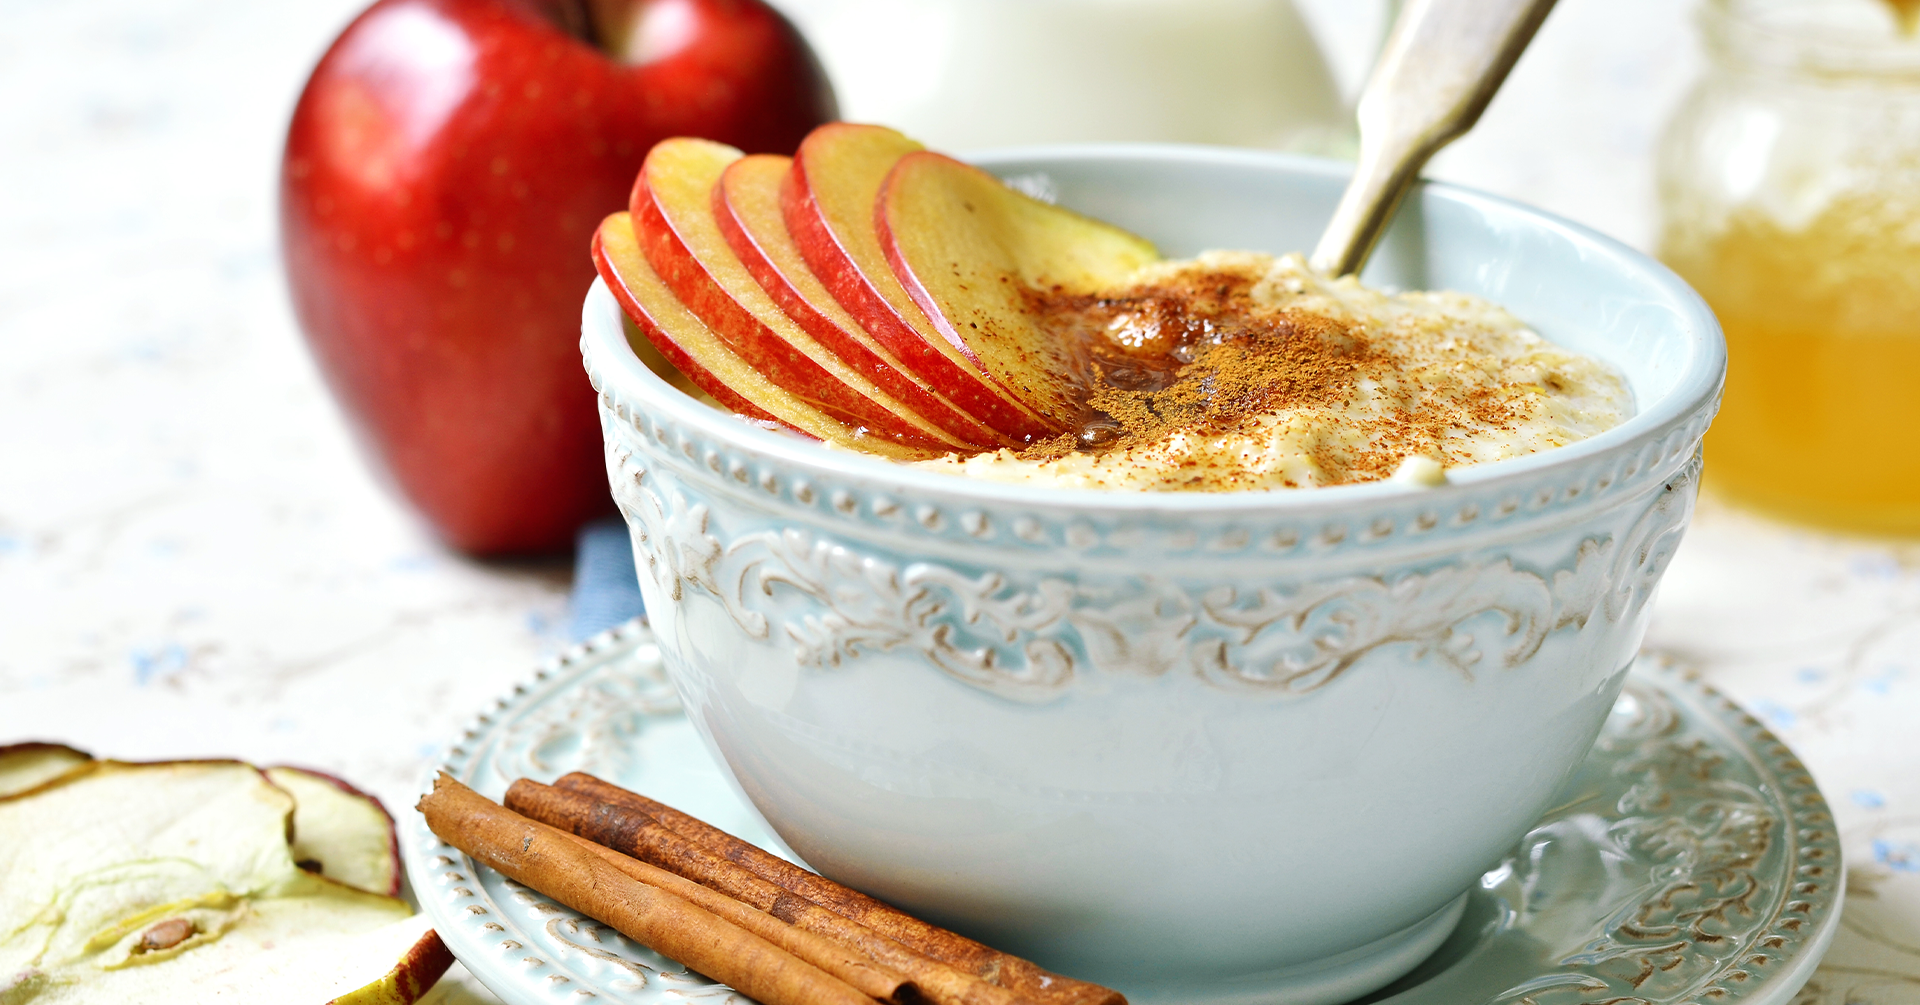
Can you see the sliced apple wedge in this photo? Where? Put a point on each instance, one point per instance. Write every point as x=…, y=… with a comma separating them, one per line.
x=829, y=208
x=700, y=354
x=673, y=216
x=341, y=832
x=972, y=253
x=747, y=205
x=617, y=258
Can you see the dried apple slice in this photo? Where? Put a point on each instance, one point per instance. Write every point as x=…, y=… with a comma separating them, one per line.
x=696, y=351
x=747, y=205
x=971, y=252
x=673, y=216
x=393, y=965
x=341, y=832
x=829, y=209
x=26, y=766
x=142, y=882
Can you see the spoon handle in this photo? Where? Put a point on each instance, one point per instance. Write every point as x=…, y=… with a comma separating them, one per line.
x=1436, y=74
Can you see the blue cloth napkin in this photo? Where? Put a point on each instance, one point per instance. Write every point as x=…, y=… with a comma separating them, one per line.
x=606, y=592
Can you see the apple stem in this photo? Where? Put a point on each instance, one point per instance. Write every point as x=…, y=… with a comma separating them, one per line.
x=614, y=25
x=607, y=25
x=611, y=26
x=573, y=18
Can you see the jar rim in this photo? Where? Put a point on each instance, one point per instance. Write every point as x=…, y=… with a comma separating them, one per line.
x=1820, y=39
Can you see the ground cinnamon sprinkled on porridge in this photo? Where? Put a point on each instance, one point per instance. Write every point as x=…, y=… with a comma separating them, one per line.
x=1240, y=371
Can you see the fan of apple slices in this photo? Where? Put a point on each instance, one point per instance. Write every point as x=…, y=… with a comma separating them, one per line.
x=206, y=881
x=866, y=292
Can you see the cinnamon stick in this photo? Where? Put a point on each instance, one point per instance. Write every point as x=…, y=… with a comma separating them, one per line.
x=548, y=861
x=985, y=962
x=635, y=833
x=822, y=952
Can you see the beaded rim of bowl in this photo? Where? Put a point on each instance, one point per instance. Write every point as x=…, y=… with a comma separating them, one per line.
x=1410, y=517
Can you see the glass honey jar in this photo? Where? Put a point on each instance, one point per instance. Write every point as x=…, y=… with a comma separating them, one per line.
x=1790, y=198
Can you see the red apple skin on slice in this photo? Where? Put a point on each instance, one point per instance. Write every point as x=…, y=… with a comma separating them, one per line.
x=704, y=358
x=419, y=968
x=970, y=251
x=672, y=210
x=747, y=203
x=829, y=208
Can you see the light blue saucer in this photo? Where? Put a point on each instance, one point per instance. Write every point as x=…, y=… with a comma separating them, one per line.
x=1691, y=859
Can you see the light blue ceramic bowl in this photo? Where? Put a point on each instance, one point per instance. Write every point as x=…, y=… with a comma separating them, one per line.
x=1231, y=747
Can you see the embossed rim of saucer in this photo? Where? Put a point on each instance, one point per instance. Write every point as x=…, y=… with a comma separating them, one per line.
x=495, y=941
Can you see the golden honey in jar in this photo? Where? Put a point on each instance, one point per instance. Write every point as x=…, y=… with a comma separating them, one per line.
x=1790, y=193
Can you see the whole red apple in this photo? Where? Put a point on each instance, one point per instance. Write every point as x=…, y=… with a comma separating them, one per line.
x=444, y=172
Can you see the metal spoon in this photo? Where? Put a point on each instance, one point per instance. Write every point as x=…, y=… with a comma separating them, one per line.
x=1436, y=74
